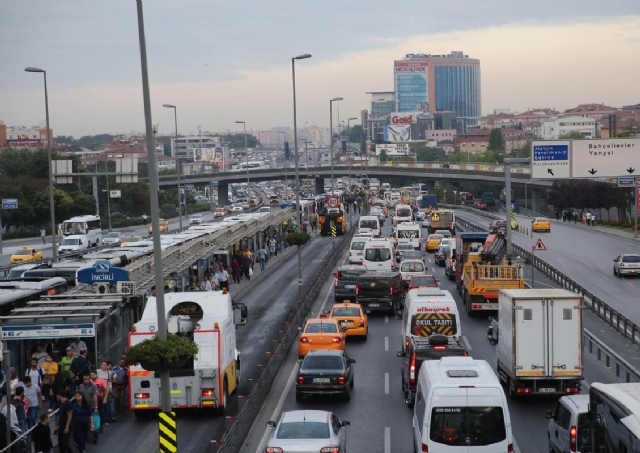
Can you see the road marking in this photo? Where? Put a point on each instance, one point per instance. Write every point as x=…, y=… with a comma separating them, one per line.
x=386, y=383
x=466, y=343
x=386, y=319
x=433, y=269
x=387, y=440
x=386, y=343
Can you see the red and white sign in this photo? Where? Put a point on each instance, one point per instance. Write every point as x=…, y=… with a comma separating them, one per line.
x=539, y=245
x=333, y=202
x=402, y=118
x=25, y=143
x=410, y=65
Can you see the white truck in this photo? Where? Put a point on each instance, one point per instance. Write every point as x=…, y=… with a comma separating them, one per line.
x=209, y=318
x=539, y=341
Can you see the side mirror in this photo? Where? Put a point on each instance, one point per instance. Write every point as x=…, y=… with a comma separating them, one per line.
x=615, y=260
x=549, y=414
x=345, y=423
x=300, y=329
x=352, y=360
x=400, y=354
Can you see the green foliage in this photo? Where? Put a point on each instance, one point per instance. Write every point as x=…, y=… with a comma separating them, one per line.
x=236, y=141
x=587, y=194
x=154, y=350
x=496, y=142
x=355, y=134
x=572, y=136
x=384, y=158
x=297, y=238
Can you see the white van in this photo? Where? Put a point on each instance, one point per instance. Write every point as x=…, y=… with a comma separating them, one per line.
x=356, y=249
x=379, y=255
x=409, y=233
x=427, y=311
x=460, y=408
x=369, y=224
x=264, y=210
x=404, y=213
x=73, y=243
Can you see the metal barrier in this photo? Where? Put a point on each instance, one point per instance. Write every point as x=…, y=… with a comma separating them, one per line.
x=615, y=319
x=631, y=374
x=247, y=415
x=24, y=436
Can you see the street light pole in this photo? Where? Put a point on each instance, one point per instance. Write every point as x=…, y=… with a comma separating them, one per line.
x=507, y=186
x=284, y=161
x=49, y=159
x=246, y=150
x=178, y=171
x=306, y=149
x=331, y=135
x=297, y=157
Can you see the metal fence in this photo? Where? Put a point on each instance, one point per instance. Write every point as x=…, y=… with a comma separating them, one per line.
x=24, y=438
x=262, y=385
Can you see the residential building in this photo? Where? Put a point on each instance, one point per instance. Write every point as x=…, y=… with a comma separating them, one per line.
x=592, y=111
x=26, y=137
x=477, y=141
x=383, y=104
x=3, y=134
x=564, y=125
x=440, y=134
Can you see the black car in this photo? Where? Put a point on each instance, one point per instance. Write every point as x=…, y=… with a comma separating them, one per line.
x=344, y=285
x=441, y=255
x=420, y=349
x=380, y=291
x=498, y=226
x=325, y=372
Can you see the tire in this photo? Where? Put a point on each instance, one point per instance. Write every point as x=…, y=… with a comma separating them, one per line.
x=222, y=409
x=366, y=335
x=353, y=382
x=347, y=394
x=550, y=447
x=299, y=396
x=467, y=302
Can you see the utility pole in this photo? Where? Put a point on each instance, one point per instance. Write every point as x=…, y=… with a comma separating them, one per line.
x=507, y=186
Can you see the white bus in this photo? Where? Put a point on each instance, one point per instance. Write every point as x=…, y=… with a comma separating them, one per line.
x=87, y=225
x=615, y=417
x=252, y=165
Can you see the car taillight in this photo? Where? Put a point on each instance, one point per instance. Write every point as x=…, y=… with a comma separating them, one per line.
x=406, y=342
x=357, y=288
x=572, y=438
x=274, y=450
x=510, y=448
x=361, y=323
x=300, y=380
x=413, y=287
x=621, y=264
x=335, y=281
x=412, y=369
x=337, y=340
x=207, y=393
x=425, y=449
x=342, y=380
x=330, y=450
x=440, y=348
x=304, y=340
x=140, y=396
x=391, y=290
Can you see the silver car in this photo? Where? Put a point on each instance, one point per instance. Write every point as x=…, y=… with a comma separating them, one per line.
x=628, y=264
x=112, y=238
x=307, y=432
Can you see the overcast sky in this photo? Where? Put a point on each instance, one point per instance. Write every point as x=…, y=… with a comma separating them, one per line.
x=222, y=61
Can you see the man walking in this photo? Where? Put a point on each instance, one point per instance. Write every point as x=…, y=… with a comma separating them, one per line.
x=43, y=234
x=34, y=398
x=65, y=416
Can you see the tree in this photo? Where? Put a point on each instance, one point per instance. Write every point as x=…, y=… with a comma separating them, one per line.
x=574, y=135
x=496, y=142
x=236, y=141
x=355, y=134
x=384, y=157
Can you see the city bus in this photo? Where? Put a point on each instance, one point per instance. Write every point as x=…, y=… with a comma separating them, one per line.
x=614, y=412
x=87, y=225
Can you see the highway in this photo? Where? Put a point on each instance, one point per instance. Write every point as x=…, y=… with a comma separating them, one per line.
x=380, y=420
x=269, y=300
x=585, y=256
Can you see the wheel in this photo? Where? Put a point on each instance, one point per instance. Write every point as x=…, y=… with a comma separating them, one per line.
x=615, y=274
x=299, y=396
x=352, y=383
x=550, y=446
x=222, y=409
x=364, y=338
x=467, y=302
x=347, y=394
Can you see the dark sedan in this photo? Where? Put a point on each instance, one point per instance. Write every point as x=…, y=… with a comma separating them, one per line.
x=325, y=372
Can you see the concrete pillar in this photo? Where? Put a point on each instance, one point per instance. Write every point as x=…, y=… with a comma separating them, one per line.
x=535, y=200
x=319, y=184
x=223, y=193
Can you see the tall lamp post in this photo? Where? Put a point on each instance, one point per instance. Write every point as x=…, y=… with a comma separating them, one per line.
x=175, y=149
x=297, y=157
x=349, y=162
x=51, y=199
x=331, y=101
x=306, y=148
x=246, y=150
x=284, y=160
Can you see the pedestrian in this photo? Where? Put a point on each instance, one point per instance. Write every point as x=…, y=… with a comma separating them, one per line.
x=51, y=370
x=263, y=257
x=103, y=400
x=34, y=399
x=564, y=215
x=575, y=217
x=63, y=426
x=121, y=381
x=235, y=270
x=65, y=365
x=144, y=218
x=89, y=392
x=273, y=250
x=206, y=284
x=82, y=421
x=41, y=435
x=80, y=367
x=246, y=263
x=43, y=236
x=36, y=373
x=588, y=216
x=223, y=277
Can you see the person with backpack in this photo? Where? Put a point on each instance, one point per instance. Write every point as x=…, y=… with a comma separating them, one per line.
x=121, y=383
x=36, y=373
x=34, y=398
x=80, y=367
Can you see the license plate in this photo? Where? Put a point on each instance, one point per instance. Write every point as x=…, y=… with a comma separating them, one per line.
x=346, y=323
x=374, y=305
x=349, y=286
x=321, y=380
x=546, y=390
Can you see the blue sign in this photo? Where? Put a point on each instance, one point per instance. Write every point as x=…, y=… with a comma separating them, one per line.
x=288, y=205
x=412, y=88
x=215, y=183
x=48, y=331
x=9, y=203
x=550, y=152
x=102, y=272
x=626, y=182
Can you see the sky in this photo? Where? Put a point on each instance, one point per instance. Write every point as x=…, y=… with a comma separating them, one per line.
x=223, y=61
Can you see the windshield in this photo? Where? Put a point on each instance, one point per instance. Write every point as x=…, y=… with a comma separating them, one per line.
x=372, y=224
x=112, y=235
x=319, y=327
x=349, y=276
x=377, y=255
x=467, y=426
x=358, y=245
x=69, y=242
x=412, y=255
x=322, y=363
x=403, y=212
x=303, y=430
x=23, y=252
x=412, y=267
x=424, y=280
x=131, y=239
x=346, y=311
x=74, y=227
x=631, y=259
x=435, y=237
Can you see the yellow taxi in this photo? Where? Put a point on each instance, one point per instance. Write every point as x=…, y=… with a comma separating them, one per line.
x=541, y=224
x=130, y=240
x=433, y=242
x=164, y=226
x=352, y=317
x=320, y=333
x=26, y=254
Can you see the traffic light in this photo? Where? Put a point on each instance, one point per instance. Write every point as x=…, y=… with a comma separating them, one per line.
x=344, y=146
x=287, y=152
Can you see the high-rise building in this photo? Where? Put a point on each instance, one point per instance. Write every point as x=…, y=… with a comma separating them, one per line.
x=433, y=83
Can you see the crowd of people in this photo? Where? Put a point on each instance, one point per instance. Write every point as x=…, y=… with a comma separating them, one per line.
x=66, y=391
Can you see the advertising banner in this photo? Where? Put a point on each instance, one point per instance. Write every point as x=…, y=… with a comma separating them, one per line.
x=411, y=84
x=393, y=150
x=396, y=133
x=214, y=155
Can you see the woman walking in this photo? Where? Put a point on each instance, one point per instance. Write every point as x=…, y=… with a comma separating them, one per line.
x=82, y=421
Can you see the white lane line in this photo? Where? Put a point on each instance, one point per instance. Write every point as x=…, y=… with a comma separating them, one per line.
x=433, y=269
x=386, y=344
x=386, y=383
x=387, y=440
x=466, y=343
x=386, y=320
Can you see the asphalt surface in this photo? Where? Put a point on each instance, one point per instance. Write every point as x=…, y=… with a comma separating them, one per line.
x=270, y=301
x=380, y=420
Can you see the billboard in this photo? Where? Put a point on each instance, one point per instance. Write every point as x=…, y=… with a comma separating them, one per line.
x=396, y=133
x=393, y=150
x=214, y=155
x=411, y=80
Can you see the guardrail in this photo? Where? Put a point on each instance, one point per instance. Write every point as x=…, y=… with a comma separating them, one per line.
x=243, y=422
x=614, y=318
x=24, y=438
